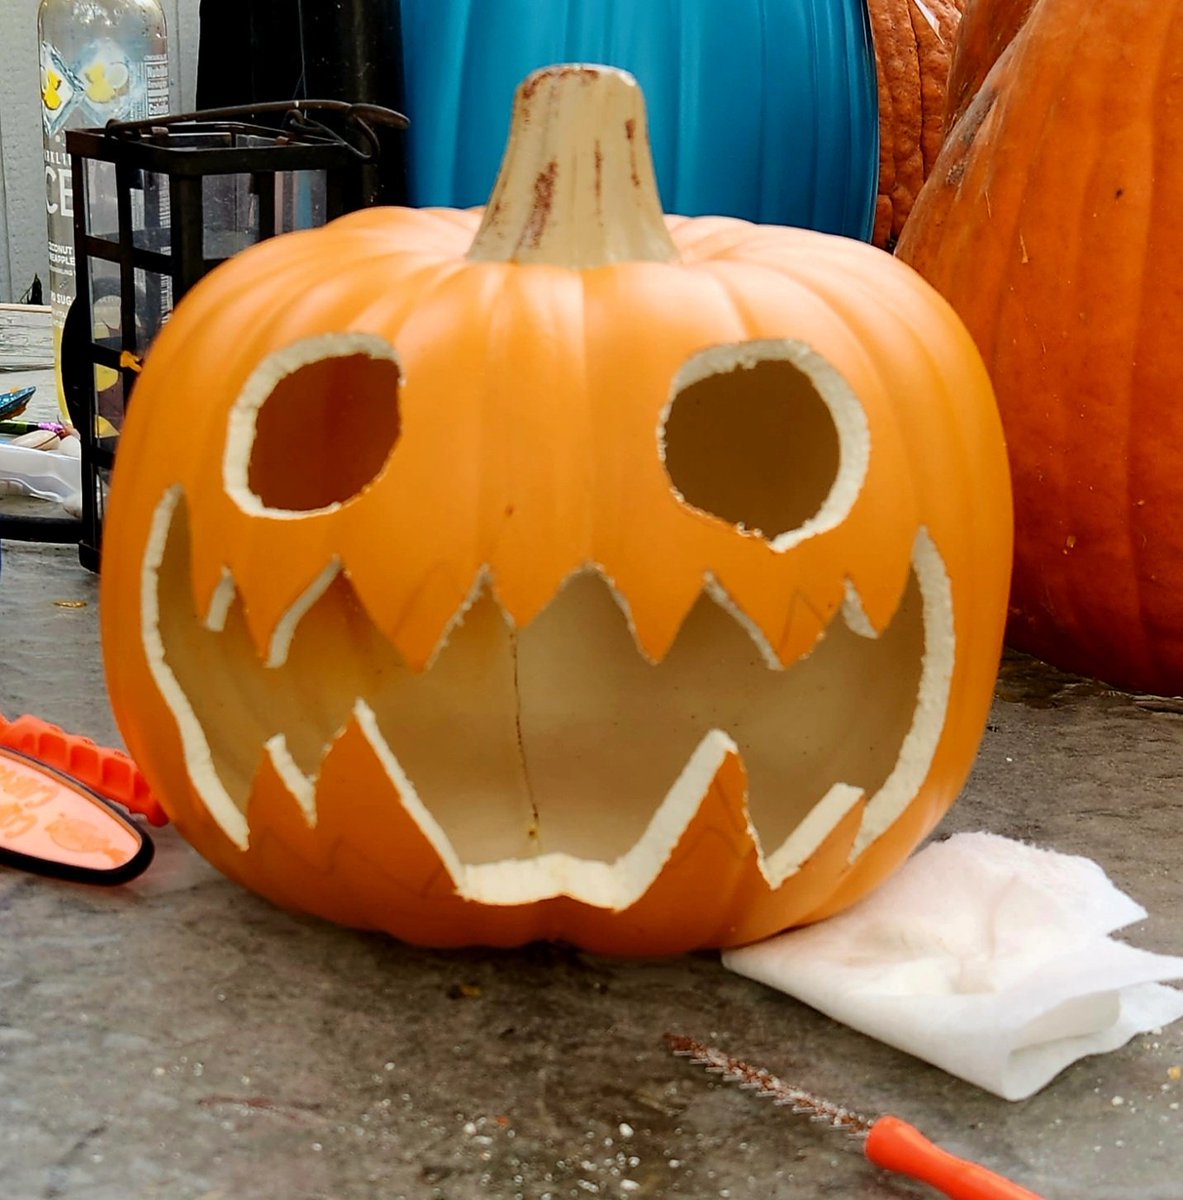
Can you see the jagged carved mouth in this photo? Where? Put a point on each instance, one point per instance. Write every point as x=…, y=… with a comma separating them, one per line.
x=555, y=759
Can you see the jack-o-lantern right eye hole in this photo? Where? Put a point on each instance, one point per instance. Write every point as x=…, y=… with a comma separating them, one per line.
x=315, y=425
x=765, y=436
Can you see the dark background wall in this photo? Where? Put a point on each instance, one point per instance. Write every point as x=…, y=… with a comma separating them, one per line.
x=253, y=50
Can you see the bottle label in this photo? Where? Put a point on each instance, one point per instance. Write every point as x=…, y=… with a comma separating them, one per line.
x=156, y=84
x=102, y=84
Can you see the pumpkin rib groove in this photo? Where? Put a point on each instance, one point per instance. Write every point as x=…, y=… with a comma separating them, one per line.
x=313, y=303
x=713, y=239
x=389, y=308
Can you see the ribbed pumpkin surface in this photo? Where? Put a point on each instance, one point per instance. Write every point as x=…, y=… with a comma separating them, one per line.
x=914, y=41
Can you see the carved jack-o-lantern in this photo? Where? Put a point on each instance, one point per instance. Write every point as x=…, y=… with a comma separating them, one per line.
x=591, y=575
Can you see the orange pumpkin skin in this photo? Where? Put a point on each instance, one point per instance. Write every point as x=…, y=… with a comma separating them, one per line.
x=1050, y=223
x=530, y=397
x=987, y=27
x=913, y=46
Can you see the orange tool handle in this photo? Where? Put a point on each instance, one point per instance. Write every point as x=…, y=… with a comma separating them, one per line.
x=898, y=1146
x=111, y=773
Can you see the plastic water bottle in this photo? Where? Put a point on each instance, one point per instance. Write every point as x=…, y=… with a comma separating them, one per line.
x=101, y=60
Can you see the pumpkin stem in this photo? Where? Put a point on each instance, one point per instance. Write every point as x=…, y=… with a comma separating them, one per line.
x=577, y=186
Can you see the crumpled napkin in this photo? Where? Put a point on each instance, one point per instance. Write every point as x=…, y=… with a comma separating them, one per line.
x=986, y=957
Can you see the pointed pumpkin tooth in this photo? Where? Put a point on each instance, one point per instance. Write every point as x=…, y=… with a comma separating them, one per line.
x=655, y=628
x=363, y=787
x=291, y=861
x=398, y=864
x=879, y=589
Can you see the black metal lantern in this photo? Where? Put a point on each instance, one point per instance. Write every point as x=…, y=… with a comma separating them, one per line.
x=158, y=204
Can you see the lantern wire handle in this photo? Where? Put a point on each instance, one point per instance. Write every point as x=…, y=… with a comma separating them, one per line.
x=296, y=116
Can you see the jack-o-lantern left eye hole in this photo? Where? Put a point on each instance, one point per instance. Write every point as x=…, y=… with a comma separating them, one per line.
x=314, y=425
x=766, y=436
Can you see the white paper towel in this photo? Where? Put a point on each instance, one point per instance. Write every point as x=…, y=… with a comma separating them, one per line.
x=986, y=957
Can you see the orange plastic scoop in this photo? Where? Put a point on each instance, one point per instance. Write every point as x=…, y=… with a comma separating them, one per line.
x=56, y=815
x=110, y=773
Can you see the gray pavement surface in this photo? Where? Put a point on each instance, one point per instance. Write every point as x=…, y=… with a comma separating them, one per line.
x=182, y=1038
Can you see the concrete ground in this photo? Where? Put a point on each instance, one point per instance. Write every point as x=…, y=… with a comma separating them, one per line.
x=181, y=1038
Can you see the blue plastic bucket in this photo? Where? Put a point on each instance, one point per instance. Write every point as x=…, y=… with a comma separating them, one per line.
x=762, y=109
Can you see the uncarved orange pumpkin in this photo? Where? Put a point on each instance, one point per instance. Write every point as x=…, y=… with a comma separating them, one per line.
x=1051, y=223
x=561, y=571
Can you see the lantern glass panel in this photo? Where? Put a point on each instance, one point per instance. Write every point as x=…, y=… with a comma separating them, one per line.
x=301, y=200
x=150, y=212
x=152, y=299
x=105, y=303
x=154, y=303
x=101, y=206
x=230, y=214
x=106, y=316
